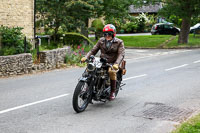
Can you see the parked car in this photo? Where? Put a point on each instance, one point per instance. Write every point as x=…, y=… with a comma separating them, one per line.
x=164, y=28
x=193, y=28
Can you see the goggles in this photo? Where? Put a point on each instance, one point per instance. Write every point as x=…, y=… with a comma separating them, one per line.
x=108, y=34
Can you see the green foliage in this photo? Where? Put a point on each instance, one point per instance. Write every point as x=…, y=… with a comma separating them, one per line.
x=175, y=20
x=69, y=15
x=116, y=9
x=34, y=56
x=53, y=45
x=141, y=20
x=141, y=23
x=150, y=21
x=190, y=126
x=195, y=20
x=75, y=39
x=130, y=27
x=73, y=15
x=98, y=25
x=185, y=10
x=12, y=40
x=118, y=23
x=7, y=51
x=181, y=8
x=75, y=56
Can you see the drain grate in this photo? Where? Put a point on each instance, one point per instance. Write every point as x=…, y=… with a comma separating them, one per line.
x=164, y=112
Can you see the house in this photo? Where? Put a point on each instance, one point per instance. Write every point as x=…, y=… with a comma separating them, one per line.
x=150, y=9
x=18, y=13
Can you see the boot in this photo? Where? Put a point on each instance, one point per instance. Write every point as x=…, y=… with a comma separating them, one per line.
x=113, y=86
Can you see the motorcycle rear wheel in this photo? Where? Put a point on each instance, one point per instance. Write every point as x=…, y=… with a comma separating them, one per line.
x=81, y=94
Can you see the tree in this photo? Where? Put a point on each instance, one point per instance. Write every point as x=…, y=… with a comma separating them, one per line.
x=83, y=10
x=184, y=9
x=110, y=9
x=73, y=15
x=70, y=15
x=53, y=15
x=115, y=9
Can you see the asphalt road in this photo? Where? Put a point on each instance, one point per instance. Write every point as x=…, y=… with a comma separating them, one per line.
x=162, y=89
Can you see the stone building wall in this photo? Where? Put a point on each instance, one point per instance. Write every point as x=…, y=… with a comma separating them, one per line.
x=19, y=13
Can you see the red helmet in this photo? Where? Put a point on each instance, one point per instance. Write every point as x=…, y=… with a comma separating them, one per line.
x=110, y=28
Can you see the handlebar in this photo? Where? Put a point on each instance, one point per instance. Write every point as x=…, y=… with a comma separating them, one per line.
x=103, y=60
x=109, y=65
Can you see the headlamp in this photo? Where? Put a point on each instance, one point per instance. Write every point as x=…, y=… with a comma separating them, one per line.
x=90, y=67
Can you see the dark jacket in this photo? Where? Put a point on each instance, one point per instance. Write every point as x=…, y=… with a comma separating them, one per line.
x=115, y=54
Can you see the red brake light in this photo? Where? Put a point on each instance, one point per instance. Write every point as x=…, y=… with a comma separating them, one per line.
x=155, y=27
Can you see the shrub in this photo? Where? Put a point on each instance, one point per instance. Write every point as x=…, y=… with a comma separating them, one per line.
x=118, y=23
x=98, y=25
x=130, y=27
x=175, y=20
x=12, y=40
x=75, y=39
x=75, y=56
x=142, y=21
x=141, y=24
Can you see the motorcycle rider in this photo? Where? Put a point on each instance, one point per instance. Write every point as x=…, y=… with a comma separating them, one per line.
x=113, y=50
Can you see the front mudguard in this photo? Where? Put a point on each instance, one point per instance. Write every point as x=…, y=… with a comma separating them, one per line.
x=84, y=79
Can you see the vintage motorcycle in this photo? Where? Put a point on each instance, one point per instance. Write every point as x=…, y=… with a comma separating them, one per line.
x=94, y=84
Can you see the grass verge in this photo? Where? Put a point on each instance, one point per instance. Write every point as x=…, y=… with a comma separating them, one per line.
x=193, y=42
x=191, y=126
x=147, y=41
x=157, y=41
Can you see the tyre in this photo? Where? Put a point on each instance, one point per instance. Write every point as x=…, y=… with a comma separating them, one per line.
x=81, y=97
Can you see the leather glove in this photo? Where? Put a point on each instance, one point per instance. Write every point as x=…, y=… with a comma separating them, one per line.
x=115, y=66
x=83, y=59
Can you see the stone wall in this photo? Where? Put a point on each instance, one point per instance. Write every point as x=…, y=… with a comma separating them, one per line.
x=15, y=64
x=53, y=58
x=19, y=13
x=23, y=63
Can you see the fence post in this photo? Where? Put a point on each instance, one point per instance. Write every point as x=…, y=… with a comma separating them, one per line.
x=25, y=45
x=63, y=39
x=0, y=41
x=49, y=40
x=37, y=47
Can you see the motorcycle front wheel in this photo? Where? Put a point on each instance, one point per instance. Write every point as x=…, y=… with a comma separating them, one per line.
x=81, y=97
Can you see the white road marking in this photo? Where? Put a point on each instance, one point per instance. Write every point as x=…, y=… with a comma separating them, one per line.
x=30, y=104
x=139, y=76
x=159, y=54
x=176, y=67
x=196, y=61
x=141, y=51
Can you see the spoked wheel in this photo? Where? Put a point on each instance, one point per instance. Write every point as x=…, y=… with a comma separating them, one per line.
x=81, y=97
